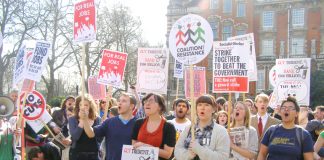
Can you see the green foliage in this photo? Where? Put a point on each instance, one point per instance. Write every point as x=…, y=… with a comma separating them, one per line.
x=55, y=101
x=317, y=88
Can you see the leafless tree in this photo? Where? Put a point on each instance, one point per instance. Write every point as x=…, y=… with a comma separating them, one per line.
x=17, y=20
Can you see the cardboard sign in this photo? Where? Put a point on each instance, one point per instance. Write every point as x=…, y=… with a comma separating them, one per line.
x=84, y=29
x=35, y=105
x=112, y=68
x=37, y=125
x=152, y=70
x=178, y=70
x=96, y=90
x=230, y=67
x=199, y=81
x=252, y=67
x=190, y=39
x=141, y=153
x=293, y=79
x=38, y=62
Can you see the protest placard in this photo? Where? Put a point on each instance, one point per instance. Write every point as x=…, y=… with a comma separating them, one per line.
x=28, y=86
x=199, y=87
x=20, y=65
x=293, y=79
x=152, y=70
x=230, y=62
x=252, y=67
x=84, y=29
x=38, y=124
x=112, y=68
x=34, y=106
x=141, y=153
x=178, y=70
x=96, y=90
x=38, y=62
x=190, y=39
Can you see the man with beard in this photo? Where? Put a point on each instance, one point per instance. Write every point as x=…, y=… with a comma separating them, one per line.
x=180, y=121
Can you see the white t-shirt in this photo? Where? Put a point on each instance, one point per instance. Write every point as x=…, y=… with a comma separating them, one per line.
x=180, y=127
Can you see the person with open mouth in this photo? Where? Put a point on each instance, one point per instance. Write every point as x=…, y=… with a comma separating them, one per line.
x=287, y=140
x=221, y=118
x=154, y=130
x=212, y=141
x=247, y=147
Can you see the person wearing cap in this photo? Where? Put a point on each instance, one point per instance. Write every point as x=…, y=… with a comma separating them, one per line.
x=60, y=116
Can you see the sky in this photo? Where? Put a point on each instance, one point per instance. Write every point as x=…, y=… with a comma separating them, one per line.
x=152, y=14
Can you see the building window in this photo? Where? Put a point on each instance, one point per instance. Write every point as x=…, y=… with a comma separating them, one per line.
x=227, y=7
x=214, y=27
x=241, y=9
x=268, y=19
x=240, y=32
x=261, y=80
x=227, y=32
x=297, y=46
x=298, y=16
x=213, y=4
x=267, y=48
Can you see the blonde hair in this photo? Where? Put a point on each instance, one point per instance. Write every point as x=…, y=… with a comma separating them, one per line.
x=262, y=96
x=92, y=110
x=247, y=115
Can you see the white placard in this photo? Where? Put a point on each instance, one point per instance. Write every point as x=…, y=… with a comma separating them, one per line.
x=152, y=70
x=252, y=67
x=190, y=39
x=141, y=153
x=37, y=125
x=293, y=79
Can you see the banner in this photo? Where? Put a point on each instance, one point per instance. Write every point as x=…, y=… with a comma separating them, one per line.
x=199, y=81
x=293, y=79
x=230, y=67
x=38, y=62
x=190, y=39
x=37, y=125
x=141, y=153
x=112, y=68
x=35, y=105
x=96, y=90
x=152, y=70
x=252, y=67
x=84, y=29
x=178, y=69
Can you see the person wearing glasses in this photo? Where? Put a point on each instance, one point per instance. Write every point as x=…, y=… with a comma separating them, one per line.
x=154, y=125
x=246, y=147
x=287, y=140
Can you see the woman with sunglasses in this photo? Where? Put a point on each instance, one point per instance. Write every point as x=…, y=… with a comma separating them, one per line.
x=287, y=140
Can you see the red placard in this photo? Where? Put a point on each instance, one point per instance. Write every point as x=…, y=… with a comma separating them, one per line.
x=231, y=84
x=84, y=21
x=112, y=68
x=35, y=105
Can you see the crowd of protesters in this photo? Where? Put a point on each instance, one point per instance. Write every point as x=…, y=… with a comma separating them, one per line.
x=94, y=130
